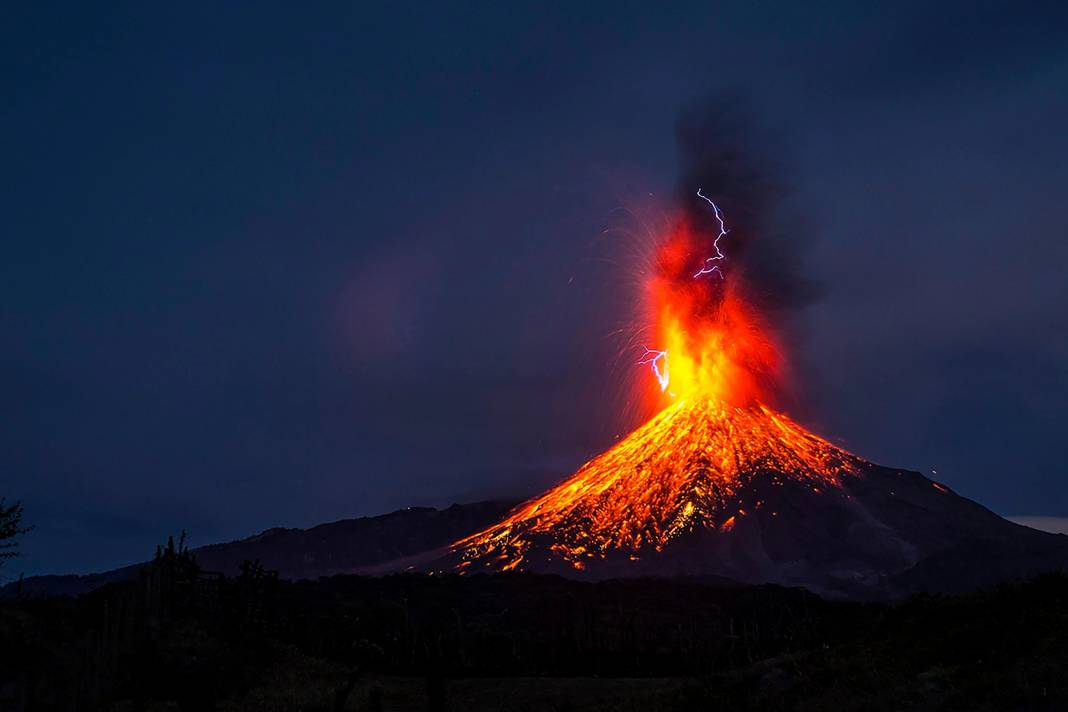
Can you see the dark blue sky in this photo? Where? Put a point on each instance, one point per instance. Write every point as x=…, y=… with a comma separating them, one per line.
x=276, y=266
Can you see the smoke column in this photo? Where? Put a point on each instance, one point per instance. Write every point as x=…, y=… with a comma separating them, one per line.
x=726, y=154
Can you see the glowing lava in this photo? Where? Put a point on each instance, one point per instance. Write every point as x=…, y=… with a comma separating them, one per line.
x=685, y=469
x=680, y=471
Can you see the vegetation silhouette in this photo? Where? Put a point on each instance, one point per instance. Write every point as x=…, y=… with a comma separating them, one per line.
x=183, y=638
x=11, y=529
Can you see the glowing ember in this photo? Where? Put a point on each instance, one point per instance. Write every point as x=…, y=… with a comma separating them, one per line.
x=686, y=468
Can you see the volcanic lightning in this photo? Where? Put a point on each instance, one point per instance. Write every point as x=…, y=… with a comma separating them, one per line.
x=657, y=360
x=707, y=267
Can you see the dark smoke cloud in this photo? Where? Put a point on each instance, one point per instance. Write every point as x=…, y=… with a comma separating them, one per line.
x=738, y=163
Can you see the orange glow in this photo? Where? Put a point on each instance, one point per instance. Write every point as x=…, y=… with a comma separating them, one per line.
x=717, y=345
x=686, y=467
x=681, y=470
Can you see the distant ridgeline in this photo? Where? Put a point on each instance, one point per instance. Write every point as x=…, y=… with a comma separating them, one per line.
x=363, y=545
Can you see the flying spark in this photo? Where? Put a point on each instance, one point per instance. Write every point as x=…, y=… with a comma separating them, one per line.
x=708, y=267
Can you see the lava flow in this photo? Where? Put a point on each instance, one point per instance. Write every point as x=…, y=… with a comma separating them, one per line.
x=690, y=467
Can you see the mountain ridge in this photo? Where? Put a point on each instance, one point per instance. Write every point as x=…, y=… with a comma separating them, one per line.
x=343, y=546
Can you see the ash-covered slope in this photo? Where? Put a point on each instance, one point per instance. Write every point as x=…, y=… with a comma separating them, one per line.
x=709, y=489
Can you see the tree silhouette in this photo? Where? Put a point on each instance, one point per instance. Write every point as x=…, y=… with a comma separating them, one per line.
x=10, y=529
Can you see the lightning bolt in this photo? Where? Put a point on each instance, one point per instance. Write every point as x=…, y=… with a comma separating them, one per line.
x=708, y=267
x=658, y=361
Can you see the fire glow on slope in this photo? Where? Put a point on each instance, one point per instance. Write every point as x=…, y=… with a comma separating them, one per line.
x=715, y=366
x=679, y=471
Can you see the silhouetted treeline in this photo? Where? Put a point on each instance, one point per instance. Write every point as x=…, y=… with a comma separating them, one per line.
x=205, y=641
x=11, y=529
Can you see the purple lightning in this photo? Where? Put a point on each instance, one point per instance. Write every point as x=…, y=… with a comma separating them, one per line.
x=658, y=361
x=708, y=267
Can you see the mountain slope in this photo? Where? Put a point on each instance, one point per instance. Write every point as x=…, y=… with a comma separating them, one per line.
x=710, y=489
x=346, y=546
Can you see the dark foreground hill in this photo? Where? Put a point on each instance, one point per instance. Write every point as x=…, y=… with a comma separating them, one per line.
x=362, y=545
x=176, y=639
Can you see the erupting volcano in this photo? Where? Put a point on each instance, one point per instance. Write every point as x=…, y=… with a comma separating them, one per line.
x=712, y=456
x=685, y=468
x=720, y=483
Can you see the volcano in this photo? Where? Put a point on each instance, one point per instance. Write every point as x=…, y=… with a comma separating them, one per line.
x=712, y=490
x=719, y=484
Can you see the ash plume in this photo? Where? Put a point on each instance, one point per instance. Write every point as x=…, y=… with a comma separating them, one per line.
x=738, y=164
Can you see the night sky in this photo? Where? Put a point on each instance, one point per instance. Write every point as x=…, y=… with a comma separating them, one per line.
x=274, y=266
